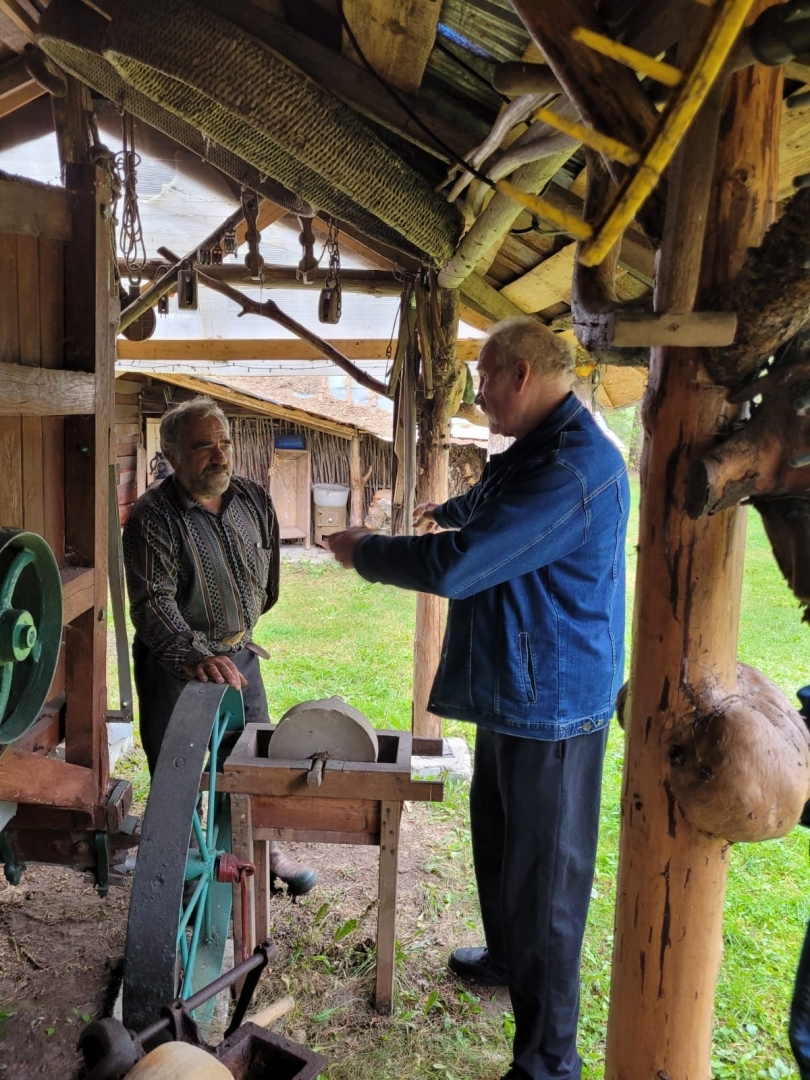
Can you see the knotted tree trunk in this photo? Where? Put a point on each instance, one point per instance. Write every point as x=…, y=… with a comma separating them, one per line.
x=713, y=754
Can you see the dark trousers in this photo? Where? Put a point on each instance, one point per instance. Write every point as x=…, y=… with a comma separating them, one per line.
x=534, y=811
x=799, y=1026
x=158, y=690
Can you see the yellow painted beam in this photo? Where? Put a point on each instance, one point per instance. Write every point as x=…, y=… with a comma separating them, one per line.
x=632, y=58
x=604, y=144
x=718, y=41
x=565, y=222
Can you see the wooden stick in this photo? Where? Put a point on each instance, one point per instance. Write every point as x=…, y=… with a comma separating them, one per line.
x=267, y=1016
x=270, y=310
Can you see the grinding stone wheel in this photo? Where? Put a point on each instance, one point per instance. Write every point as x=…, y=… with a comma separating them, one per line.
x=327, y=726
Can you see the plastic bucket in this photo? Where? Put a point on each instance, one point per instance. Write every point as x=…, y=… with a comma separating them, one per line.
x=330, y=494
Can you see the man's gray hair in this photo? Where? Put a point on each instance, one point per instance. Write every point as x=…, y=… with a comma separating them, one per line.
x=526, y=338
x=174, y=423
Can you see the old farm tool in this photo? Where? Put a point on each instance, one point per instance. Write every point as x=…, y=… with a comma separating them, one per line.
x=180, y=912
x=30, y=629
x=112, y=1052
x=325, y=775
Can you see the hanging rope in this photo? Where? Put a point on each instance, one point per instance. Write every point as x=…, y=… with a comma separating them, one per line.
x=130, y=238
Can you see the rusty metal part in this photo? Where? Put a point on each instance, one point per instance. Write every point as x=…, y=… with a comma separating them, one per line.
x=234, y=871
x=110, y=1050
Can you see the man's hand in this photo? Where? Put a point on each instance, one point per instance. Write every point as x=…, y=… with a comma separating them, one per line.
x=218, y=669
x=425, y=518
x=342, y=545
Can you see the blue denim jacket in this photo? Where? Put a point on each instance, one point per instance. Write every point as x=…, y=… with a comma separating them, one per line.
x=534, y=644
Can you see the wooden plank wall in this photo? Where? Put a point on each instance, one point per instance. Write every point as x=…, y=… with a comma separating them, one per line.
x=127, y=442
x=32, y=452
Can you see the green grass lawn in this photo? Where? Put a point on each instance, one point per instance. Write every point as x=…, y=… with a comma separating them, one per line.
x=333, y=633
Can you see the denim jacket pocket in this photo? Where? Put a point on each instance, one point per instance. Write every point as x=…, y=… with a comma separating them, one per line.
x=527, y=667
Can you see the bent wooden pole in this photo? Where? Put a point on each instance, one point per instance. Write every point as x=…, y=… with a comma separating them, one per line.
x=672, y=869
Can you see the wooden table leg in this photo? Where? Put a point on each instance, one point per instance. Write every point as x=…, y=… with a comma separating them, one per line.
x=261, y=889
x=242, y=847
x=390, y=813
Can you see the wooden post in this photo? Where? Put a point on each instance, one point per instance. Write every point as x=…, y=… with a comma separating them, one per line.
x=390, y=814
x=356, y=483
x=432, y=486
x=89, y=451
x=431, y=611
x=672, y=876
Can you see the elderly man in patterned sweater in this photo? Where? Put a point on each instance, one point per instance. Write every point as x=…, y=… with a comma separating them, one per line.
x=202, y=561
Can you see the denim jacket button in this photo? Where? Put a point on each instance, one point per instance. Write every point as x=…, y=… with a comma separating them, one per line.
x=587, y=726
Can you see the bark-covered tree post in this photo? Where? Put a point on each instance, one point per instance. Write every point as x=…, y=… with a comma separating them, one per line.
x=437, y=323
x=713, y=752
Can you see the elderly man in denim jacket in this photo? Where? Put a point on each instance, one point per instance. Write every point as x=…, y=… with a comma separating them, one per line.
x=533, y=655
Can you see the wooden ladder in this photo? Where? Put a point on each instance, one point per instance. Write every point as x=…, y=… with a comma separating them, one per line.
x=646, y=165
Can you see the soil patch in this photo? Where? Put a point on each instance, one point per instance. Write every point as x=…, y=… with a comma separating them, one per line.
x=61, y=949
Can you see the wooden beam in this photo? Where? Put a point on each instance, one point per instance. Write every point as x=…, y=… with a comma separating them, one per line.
x=544, y=285
x=33, y=391
x=396, y=37
x=224, y=349
x=31, y=209
x=20, y=17
x=89, y=449
x=17, y=87
x=694, y=329
x=16, y=99
x=357, y=87
x=794, y=148
x=480, y=297
x=78, y=591
x=369, y=282
x=259, y=405
x=44, y=781
x=73, y=119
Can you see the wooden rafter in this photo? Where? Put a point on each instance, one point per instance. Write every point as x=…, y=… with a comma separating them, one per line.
x=544, y=285
x=17, y=87
x=20, y=17
x=396, y=37
x=259, y=405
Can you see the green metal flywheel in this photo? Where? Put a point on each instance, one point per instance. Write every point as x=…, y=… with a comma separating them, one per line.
x=30, y=629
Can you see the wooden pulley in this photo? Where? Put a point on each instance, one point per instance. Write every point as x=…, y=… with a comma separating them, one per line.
x=329, y=303
x=187, y=287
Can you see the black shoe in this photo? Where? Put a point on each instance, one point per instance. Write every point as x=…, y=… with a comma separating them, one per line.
x=475, y=964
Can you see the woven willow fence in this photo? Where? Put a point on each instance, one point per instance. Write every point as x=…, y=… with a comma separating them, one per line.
x=253, y=440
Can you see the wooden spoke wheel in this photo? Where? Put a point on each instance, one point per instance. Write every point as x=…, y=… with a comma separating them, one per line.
x=30, y=629
x=179, y=915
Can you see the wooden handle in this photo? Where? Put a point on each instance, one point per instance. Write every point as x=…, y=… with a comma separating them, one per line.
x=267, y=1016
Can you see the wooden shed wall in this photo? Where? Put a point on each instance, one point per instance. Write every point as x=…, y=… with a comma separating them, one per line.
x=56, y=370
x=32, y=448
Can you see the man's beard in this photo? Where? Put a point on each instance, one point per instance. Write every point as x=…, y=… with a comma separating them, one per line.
x=213, y=481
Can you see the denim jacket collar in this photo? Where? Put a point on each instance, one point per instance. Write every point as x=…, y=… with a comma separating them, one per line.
x=545, y=431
